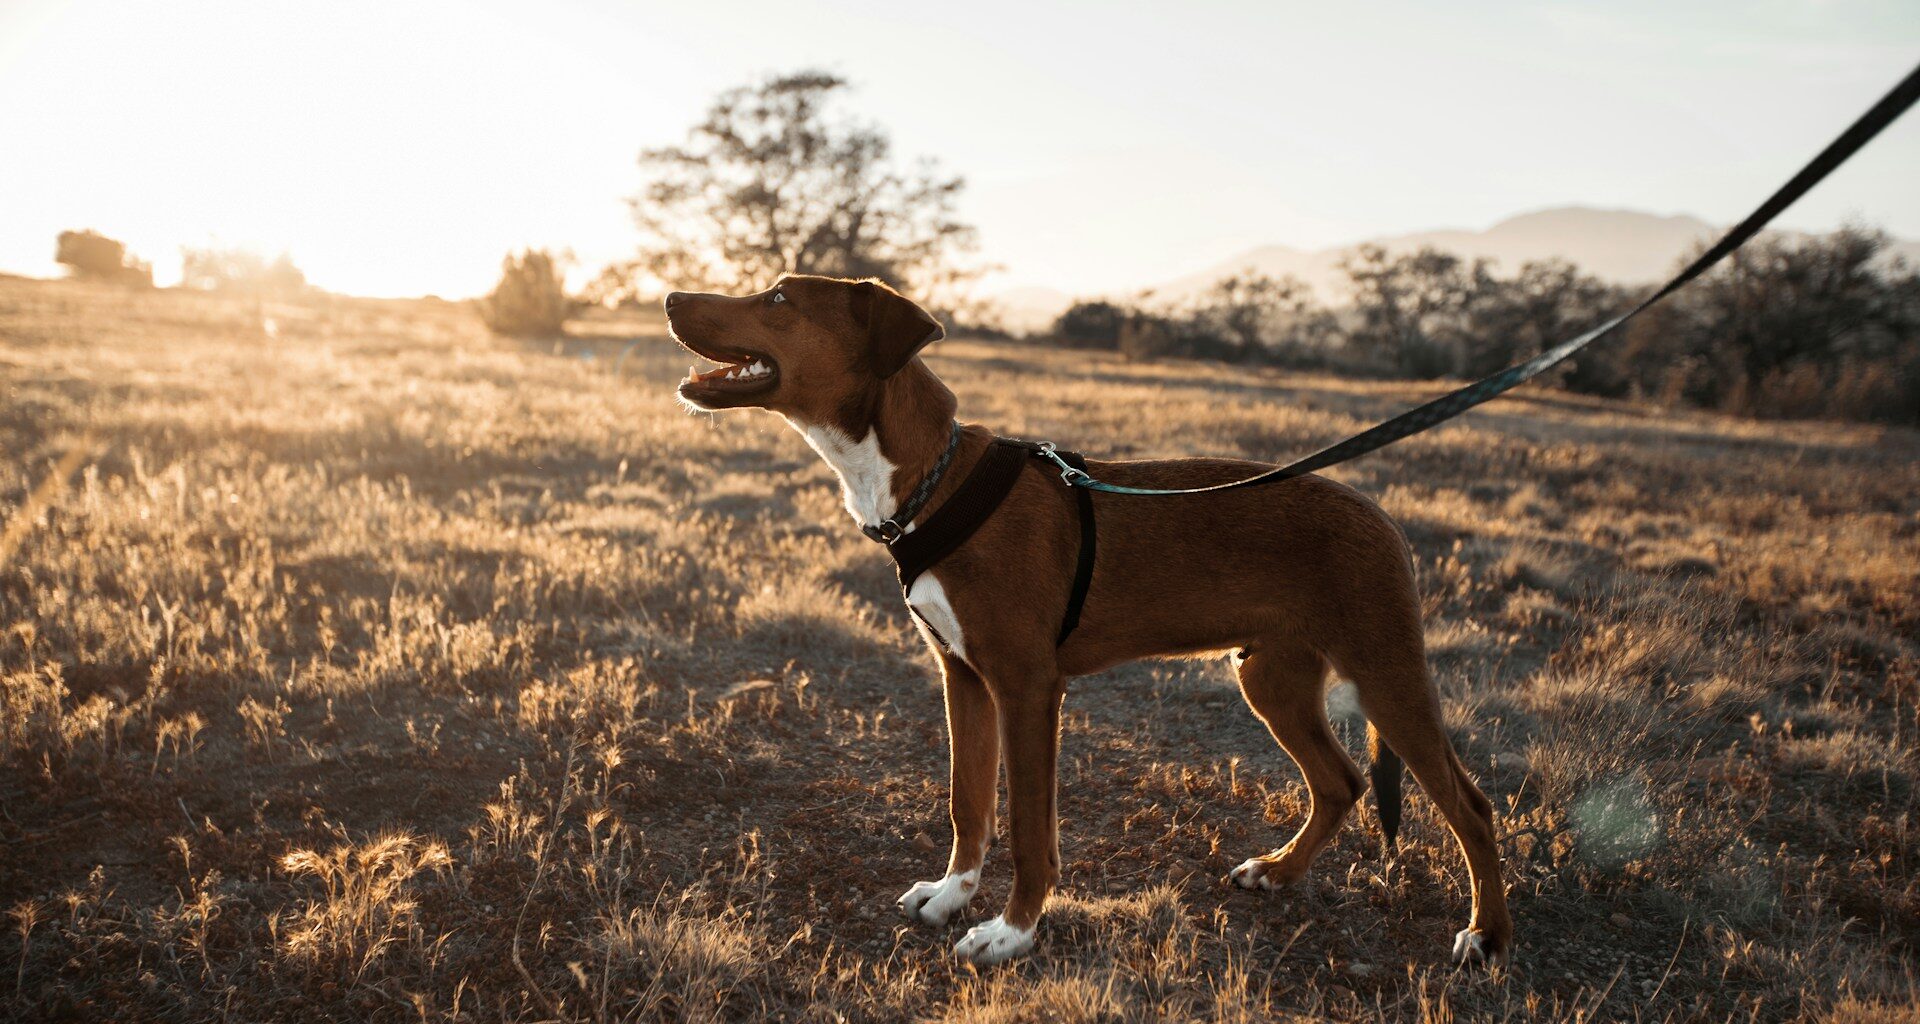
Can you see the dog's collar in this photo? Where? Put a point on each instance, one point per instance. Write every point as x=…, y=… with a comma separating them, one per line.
x=892, y=528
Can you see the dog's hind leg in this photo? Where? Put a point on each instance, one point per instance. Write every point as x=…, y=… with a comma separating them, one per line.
x=974, y=733
x=1398, y=697
x=1285, y=684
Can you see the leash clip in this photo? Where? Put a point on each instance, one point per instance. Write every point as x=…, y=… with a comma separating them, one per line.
x=1068, y=474
x=885, y=532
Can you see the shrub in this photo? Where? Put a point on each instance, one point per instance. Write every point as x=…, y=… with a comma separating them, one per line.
x=240, y=270
x=530, y=300
x=1817, y=326
x=91, y=255
x=1090, y=325
x=1249, y=318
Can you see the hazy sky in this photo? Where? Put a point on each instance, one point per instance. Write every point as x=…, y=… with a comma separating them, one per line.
x=397, y=147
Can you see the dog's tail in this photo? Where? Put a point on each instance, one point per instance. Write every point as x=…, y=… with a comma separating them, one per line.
x=1386, y=772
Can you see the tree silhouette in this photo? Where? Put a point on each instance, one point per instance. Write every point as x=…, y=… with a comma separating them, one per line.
x=770, y=182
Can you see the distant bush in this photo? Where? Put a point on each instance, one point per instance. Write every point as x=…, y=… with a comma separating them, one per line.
x=1132, y=332
x=1090, y=325
x=91, y=255
x=241, y=271
x=1249, y=318
x=1252, y=318
x=530, y=301
x=1816, y=327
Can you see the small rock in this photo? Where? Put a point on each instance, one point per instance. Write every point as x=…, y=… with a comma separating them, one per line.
x=1512, y=762
x=1621, y=920
x=923, y=842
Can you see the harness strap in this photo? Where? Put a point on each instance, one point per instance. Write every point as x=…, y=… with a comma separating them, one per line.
x=962, y=514
x=1083, y=569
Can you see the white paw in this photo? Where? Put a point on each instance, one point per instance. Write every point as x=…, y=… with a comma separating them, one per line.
x=934, y=902
x=1254, y=874
x=994, y=942
x=1470, y=947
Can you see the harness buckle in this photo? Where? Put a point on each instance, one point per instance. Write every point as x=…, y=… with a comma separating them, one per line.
x=886, y=531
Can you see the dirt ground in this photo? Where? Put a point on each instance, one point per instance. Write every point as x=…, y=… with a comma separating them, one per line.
x=358, y=665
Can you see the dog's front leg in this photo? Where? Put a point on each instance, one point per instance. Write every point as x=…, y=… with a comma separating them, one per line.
x=973, y=733
x=1029, y=712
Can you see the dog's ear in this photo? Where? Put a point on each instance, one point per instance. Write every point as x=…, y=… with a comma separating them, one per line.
x=897, y=329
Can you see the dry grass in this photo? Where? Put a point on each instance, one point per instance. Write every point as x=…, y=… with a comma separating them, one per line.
x=379, y=669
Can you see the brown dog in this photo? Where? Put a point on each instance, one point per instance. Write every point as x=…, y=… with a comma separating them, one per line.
x=1296, y=578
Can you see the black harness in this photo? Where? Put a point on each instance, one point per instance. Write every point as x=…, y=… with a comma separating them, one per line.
x=956, y=520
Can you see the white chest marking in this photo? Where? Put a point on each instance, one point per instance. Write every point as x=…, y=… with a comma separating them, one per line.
x=866, y=477
x=929, y=599
x=866, y=481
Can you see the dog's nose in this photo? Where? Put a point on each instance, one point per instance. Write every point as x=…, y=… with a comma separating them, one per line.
x=674, y=297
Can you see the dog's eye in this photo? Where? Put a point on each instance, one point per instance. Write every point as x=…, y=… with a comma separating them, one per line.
x=778, y=297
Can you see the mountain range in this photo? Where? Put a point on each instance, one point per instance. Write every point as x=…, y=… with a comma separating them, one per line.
x=1621, y=246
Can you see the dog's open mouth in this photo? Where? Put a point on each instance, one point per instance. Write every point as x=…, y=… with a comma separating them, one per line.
x=742, y=373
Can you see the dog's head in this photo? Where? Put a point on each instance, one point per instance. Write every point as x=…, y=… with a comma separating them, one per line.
x=808, y=347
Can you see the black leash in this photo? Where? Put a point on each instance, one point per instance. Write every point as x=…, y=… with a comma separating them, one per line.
x=1446, y=407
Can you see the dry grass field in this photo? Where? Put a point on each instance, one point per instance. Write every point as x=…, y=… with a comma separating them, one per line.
x=358, y=665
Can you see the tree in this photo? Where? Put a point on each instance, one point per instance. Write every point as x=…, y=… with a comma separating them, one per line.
x=1547, y=302
x=530, y=301
x=771, y=182
x=94, y=256
x=1821, y=326
x=1411, y=310
x=1255, y=318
